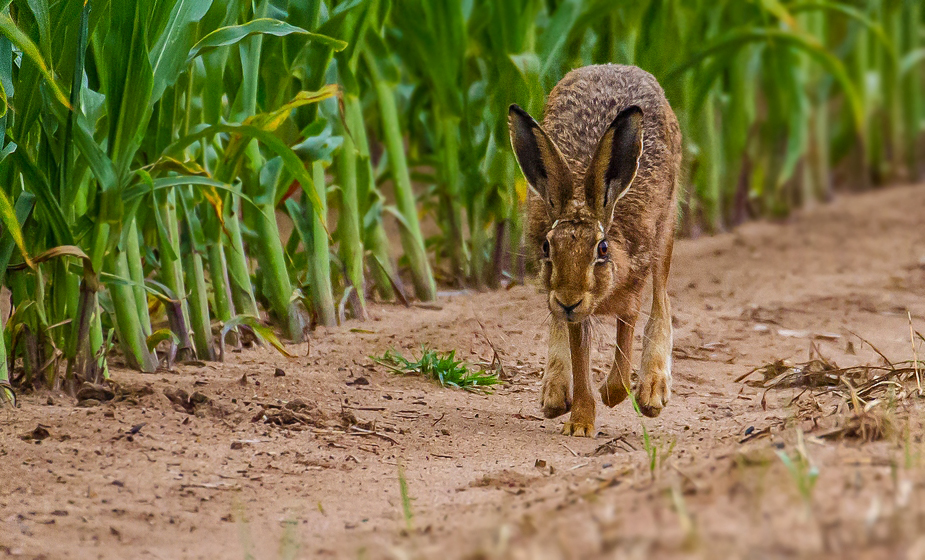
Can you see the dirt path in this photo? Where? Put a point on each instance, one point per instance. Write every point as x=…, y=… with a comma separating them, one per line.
x=487, y=477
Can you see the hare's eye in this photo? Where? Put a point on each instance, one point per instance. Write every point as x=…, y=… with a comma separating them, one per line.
x=602, y=249
x=546, y=249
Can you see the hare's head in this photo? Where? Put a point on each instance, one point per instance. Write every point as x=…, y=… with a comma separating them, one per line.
x=580, y=264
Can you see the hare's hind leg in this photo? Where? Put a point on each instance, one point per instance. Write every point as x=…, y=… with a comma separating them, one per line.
x=556, y=398
x=655, y=368
x=617, y=386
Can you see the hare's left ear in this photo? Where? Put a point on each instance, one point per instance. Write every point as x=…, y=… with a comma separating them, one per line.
x=615, y=163
x=541, y=161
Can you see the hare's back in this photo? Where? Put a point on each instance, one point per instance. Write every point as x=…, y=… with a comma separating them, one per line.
x=586, y=101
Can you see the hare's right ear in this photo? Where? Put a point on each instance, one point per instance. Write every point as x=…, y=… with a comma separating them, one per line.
x=615, y=163
x=540, y=159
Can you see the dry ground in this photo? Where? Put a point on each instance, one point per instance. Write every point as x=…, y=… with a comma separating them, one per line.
x=487, y=477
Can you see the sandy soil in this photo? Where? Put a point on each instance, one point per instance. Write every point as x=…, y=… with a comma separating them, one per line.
x=487, y=476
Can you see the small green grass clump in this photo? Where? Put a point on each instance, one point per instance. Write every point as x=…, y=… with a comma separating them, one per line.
x=440, y=366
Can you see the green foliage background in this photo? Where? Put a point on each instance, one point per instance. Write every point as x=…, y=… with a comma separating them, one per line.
x=149, y=148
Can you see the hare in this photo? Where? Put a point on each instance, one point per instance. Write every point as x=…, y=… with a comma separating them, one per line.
x=603, y=171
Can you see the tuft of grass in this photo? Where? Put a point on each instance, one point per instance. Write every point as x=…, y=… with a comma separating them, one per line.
x=686, y=520
x=244, y=529
x=802, y=471
x=405, y=498
x=442, y=367
x=289, y=545
x=649, y=444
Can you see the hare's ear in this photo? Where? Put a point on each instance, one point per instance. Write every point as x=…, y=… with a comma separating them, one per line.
x=614, y=164
x=540, y=159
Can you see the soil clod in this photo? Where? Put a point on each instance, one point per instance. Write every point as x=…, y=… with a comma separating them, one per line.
x=38, y=434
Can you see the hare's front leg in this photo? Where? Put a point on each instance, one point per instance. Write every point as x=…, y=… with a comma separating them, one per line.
x=556, y=398
x=581, y=422
x=655, y=368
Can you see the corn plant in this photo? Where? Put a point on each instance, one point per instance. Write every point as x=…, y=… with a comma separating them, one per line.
x=125, y=168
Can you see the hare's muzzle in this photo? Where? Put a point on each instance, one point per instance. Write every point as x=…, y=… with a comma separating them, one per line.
x=574, y=311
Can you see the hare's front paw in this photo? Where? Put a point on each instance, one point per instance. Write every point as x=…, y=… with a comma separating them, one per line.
x=555, y=399
x=653, y=393
x=578, y=429
x=581, y=422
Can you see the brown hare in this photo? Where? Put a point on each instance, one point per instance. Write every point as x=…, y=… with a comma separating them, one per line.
x=602, y=170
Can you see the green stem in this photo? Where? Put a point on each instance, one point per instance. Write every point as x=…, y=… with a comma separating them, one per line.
x=514, y=218
x=377, y=239
x=348, y=227
x=20, y=292
x=912, y=89
x=273, y=262
x=218, y=274
x=242, y=290
x=479, y=238
x=131, y=336
x=6, y=390
x=412, y=239
x=319, y=271
x=894, y=96
x=710, y=167
x=199, y=305
x=864, y=162
x=820, y=123
x=449, y=175
x=137, y=274
x=171, y=268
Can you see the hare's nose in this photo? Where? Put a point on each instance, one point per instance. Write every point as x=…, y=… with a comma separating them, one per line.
x=568, y=308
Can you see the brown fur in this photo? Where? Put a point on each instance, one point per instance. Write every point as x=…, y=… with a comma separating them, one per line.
x=565, y=160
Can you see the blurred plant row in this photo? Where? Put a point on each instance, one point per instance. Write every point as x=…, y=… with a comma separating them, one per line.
x=152, y=152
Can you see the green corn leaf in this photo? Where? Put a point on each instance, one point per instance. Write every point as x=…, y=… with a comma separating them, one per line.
x=290, y=160
x=3, y=100
x=302, y=227
x=263, y=332
x=851, y=13
x=193, y=224
x=162, y=231
x=100, y=164
x=272, y=120
x=910, y=60
x=230, y=35
x=90, y=275
x=167, y=164
x=158, y=290
x=736, y=39
x=40, y=12
x=11, y=31
x=22, y=209
x=129, y=84
x=37, y=183
x=159, y=336
x=779, y=11
x=167, y=62
x=553, y=40
x=12, y=227
x=320, y=142
x=163, y=183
